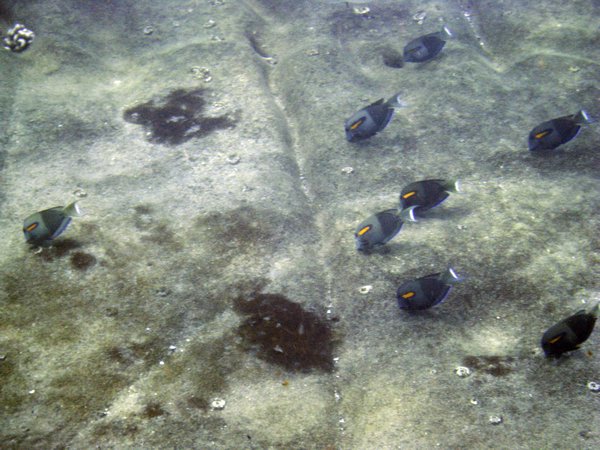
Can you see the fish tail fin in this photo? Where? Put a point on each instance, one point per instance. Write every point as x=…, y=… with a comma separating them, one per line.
x=451, y=277
x=453, y=186
x=408, y=214
x=583, y=117
x=594, y=310
x=458, y=187
x=73, y=209
x=396, y=101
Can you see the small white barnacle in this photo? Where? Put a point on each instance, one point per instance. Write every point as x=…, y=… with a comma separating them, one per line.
x=365, y=289
x=217, y=403
x=495, y=420
x=593, y=386
x=361, y=10
x=462, y=371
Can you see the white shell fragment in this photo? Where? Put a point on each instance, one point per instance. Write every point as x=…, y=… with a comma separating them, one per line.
x=495, y=420
x=361, y=10
x=365, y=289
x=201, y=73
x=462, y=371
x=80, y=193
x=233, y=159
x=593, y=386
x=217, y=403
x=419, y=17
x=347, y=170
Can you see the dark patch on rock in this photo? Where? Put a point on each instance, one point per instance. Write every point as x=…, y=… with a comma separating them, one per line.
x=121, y=355
x=152, y=410
x=497, y=366
x=82, y=261
x=177, y=118
x=284, y=333
x=197, y=402
x=392, y=58
x=154, y=230
x=116, y=428
x=147, y=352
x=240, y=227
x=111, y=311
x=6, y=13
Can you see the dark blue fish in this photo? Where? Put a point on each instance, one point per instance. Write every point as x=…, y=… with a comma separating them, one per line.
x=569, y=333
x=555, y=132
x=42, y=227
x=380, y=228
x=426, y=47
x=372, y=119
x=425, y=292
x=427, y=194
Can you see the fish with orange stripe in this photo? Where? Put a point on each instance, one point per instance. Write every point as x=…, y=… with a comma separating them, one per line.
x=42, y=227
x=553, y=133
x=380, y=228
x=427, y=194
x=371, y=119
x=570, y=333
x=427, y=291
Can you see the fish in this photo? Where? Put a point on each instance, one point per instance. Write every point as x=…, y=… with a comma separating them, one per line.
x=42, y=227
x=427, y=291
x=371, y=119
x=569, y=333
x=553, y=133
x=380, y=228
x=427, y=194
x=426, y=47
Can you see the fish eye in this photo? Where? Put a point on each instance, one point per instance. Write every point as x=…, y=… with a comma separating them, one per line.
x=31, y=227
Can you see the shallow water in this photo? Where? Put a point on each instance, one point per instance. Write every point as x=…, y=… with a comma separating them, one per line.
x=212, y=296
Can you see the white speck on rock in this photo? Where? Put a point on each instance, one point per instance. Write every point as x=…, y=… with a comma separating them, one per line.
x=593, y=386
x=217, y=403
x=365, y=289
x=495, y=420
x=462, y=372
